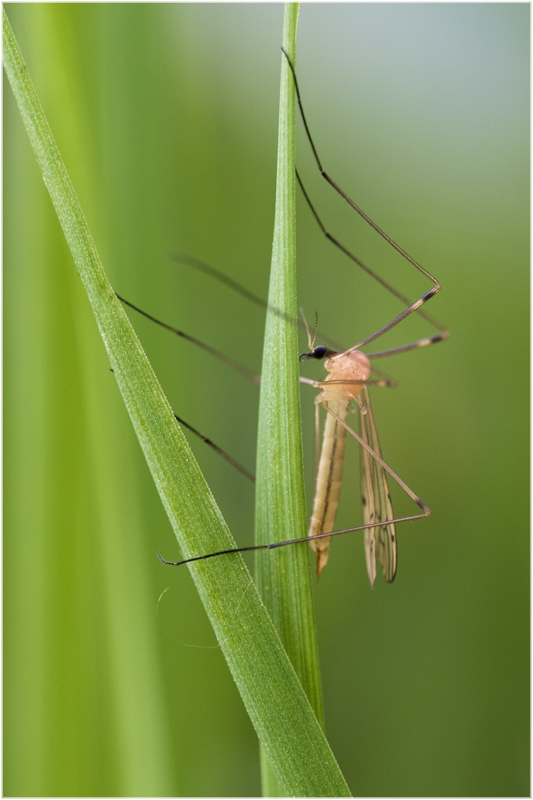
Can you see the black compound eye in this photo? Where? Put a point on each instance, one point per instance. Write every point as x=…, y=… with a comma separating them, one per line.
x=320, y=351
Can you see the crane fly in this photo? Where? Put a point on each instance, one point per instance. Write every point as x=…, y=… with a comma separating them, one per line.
x=348, y=379
x=346, y=382
x=350, y=374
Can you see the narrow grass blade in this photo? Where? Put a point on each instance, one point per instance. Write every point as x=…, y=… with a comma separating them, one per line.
x=283, y=576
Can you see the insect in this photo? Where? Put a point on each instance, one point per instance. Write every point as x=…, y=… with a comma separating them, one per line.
x=350, y=374
x=348, y=378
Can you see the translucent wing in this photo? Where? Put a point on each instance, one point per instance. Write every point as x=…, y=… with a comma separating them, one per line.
x=377, y=506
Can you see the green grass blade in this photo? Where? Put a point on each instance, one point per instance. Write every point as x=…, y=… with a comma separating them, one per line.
x=283, y=576
x=282, y=716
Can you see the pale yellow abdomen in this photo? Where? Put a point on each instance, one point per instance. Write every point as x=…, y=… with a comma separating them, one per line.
x=335, y=397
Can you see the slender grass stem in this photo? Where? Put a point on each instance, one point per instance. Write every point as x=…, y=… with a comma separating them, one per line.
x=283, y=577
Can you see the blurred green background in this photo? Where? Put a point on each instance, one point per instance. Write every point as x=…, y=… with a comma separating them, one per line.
x=166, y=116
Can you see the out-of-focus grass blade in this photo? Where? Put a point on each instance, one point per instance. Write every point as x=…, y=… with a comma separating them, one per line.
x=283, y=718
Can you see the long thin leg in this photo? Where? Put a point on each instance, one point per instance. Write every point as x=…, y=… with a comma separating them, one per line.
x=217, y=449
x=411, y=306
x=420, y=503
x=207, y=269
x=412, y=346
x=216, y=274
x=243, y=370
x=386, y=467
x=247, y=373
x=416, y=306
x=320, y=384
x=274, y=545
